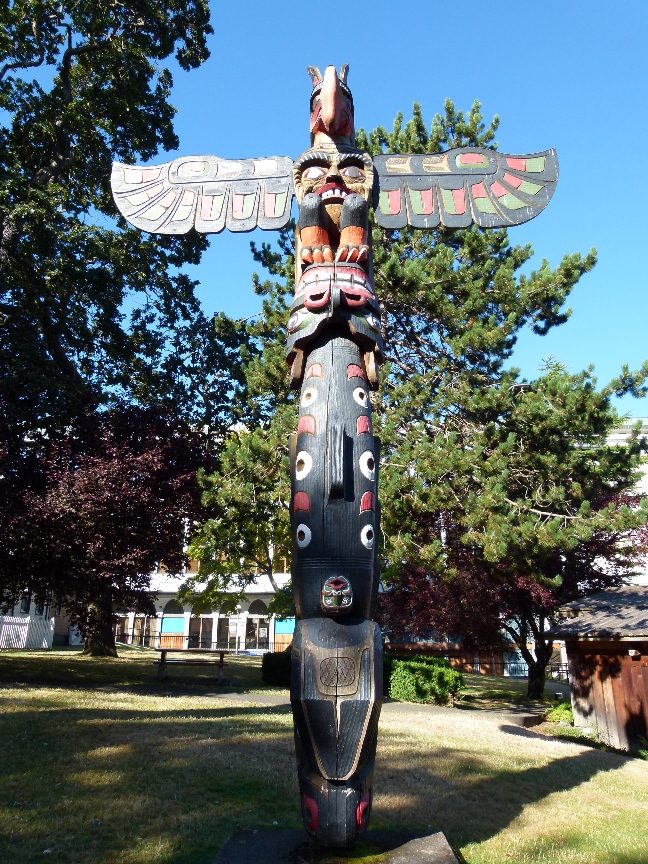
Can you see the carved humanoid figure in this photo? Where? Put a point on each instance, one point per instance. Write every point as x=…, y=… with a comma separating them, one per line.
x=334, y=350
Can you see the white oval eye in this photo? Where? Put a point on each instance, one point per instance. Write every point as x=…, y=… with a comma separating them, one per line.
x=372, y=321
x=303, y=464
x=367, y=536
x=368, y=465
x=352, y=172
x=314, y=173
x=309, y=396
x=360, y=396
x=304, y=535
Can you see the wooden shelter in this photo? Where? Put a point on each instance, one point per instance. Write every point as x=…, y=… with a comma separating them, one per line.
x=606, y=637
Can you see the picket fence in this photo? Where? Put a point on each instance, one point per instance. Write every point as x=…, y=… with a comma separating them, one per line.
x=26, y=632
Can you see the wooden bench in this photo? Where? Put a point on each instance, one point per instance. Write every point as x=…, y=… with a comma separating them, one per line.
x=191, y=661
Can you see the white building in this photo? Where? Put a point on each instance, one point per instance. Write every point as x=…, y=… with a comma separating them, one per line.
x=620, y=436
x=242, y=626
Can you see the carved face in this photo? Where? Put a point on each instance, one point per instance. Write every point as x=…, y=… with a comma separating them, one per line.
x=337, y=594
x=333, y=175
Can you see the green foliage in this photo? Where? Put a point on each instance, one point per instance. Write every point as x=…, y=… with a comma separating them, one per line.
x=487, y=481
x=90, y=309
x=499, y=491
x=390, y=657
x=249, y=492
x=561, y=713
x=275, y=668
x=283, y=603
x=423, y=680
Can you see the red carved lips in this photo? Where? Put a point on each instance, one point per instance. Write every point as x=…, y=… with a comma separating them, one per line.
x=334, y=193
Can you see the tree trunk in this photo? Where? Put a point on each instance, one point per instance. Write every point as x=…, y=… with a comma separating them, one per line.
x=99, y=636
x=536, y=683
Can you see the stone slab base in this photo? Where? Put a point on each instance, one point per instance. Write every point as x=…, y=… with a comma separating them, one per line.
x=294, y=847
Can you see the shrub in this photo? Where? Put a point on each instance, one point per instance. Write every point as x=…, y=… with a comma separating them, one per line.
x=427, y=659
x=428, y=679
x=275, y=668
x=561, y=713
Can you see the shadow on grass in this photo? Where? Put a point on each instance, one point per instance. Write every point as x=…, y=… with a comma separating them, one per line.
x=124, y=783
x=104, y=785
x=134, y=671
x=471, y=808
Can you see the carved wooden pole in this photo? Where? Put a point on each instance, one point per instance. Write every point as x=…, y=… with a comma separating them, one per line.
x=334, y=349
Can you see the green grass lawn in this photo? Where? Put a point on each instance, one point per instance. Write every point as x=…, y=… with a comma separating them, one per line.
x=482, y=691
x=103, y=763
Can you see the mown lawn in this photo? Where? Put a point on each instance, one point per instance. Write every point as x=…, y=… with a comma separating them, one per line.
x=102, y=763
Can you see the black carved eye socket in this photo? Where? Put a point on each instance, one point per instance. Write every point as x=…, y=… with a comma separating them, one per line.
x=352, y=172
x=314, y=172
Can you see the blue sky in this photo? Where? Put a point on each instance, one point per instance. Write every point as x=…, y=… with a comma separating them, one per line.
x=565, y=75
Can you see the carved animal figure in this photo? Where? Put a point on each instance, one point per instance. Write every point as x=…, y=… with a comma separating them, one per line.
x=334, y=350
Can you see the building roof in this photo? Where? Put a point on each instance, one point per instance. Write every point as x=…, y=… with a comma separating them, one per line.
x=169, y=583
x=616, y=613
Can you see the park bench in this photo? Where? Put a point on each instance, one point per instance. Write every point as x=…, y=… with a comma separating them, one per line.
x=163, y=662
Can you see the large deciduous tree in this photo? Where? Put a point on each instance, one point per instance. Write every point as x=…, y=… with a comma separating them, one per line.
x=81, y=84
x=108, y=503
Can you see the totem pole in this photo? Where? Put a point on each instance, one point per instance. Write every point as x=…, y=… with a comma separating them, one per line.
x=334, y=351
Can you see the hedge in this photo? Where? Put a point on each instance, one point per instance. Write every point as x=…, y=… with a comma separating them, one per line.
x=423, y=679
x=275, y=668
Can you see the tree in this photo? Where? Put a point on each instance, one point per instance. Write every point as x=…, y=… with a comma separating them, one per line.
x=471, y=488
x=551, y=516
x=81, y=84
x=493, y=490
x=113, y=500
x=249, y=490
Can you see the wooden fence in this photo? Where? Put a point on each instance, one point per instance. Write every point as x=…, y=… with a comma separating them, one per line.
x=26, y=633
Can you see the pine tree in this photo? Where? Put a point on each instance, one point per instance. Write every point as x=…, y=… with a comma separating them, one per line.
x=499, y=496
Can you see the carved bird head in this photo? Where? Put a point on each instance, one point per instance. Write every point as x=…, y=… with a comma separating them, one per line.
x=331, y=107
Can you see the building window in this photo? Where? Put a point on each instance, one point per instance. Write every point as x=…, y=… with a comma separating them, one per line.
x=173, y=608
x=39, y=607
x=25, y=603
x=257, y=607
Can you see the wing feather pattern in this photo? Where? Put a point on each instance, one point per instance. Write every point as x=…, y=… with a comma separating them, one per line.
x=205, y=193
x=462, y=186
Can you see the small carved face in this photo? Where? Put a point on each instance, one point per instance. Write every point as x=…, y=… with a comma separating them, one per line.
x=333, y=175
x=337, y=594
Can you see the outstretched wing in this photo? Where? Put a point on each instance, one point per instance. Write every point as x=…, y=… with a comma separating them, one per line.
x=205, y=193
x=461, y=186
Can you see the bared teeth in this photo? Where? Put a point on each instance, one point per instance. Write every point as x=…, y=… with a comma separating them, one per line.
x=334, y=193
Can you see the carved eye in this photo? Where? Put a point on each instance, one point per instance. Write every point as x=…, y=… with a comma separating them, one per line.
x=351, y=172
x=310, y=395
x=303, y=535
x=368, y=465
x=367, y=536
x=360, y=396
x=303, y=464
x=297, y=318
x=314, y=172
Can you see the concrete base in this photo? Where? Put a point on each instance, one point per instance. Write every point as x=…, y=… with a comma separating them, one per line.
x=295, y=847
